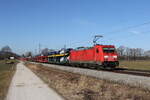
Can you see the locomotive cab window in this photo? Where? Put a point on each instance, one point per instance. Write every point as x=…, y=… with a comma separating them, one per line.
x=109, y=50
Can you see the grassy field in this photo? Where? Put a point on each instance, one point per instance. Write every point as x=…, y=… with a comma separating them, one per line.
x=139, y=64
x=79, y=87
x=6, y=73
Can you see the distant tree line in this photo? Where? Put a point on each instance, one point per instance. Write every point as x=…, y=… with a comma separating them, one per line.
x=126, y=53
x=43, y=52
x=6, y=53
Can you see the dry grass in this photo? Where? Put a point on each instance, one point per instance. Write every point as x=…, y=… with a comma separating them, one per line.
x=79, y=87
x=6, y=73
x=140, y=64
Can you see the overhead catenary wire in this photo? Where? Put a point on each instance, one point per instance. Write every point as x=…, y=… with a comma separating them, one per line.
x=126, y=29
x=129, y=27
x=110, y=39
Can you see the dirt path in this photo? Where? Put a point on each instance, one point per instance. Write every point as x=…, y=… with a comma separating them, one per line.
x=27, y=86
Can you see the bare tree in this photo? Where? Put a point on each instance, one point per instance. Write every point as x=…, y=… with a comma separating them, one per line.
x=45, y=51
x=121, y=50
x=147, y=53
x=28, y=54
x=6, y=49
x=126, y=53
x=22, y=55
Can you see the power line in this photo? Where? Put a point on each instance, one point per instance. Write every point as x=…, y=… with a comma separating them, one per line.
x=110, y=39
x=39, y=48
x=130, y=27
x=127, y=28
x=130, y=36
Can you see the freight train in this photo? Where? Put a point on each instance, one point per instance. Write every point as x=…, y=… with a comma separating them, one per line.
x=99, y=56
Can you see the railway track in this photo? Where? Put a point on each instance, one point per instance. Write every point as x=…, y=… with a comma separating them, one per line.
x=137, y=78
x=132, y=72
x=136, y=72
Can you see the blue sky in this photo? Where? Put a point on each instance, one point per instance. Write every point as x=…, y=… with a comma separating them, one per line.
x=55, y=23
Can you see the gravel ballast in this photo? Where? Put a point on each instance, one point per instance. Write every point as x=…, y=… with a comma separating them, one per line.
x=131, y=80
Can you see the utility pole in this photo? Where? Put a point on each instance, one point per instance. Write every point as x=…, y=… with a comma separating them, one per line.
x=35, y=51
x=64, y=46
x=39, y=48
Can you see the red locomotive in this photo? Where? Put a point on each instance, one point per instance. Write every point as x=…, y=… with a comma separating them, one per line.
x=102, y=55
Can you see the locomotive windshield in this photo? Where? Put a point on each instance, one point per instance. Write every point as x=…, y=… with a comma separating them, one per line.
x=109, y=50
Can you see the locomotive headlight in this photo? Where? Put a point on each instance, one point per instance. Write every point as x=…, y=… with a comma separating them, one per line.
x=105, y=56
x=115, y=56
